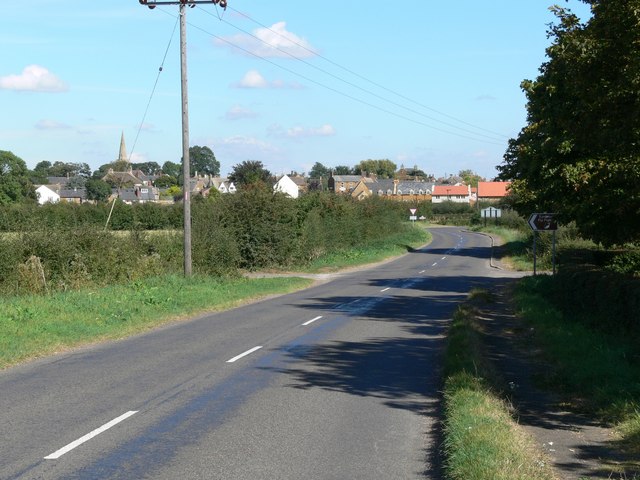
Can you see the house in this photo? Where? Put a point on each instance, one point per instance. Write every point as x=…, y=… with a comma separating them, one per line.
x=292, y=186
x=221, y=184
x=492, y=191
x=123, y=179
x=47, y=195
x=139, y=194
x=398, y=190
x=402, y=190
x=345, y=184
x=451, y=193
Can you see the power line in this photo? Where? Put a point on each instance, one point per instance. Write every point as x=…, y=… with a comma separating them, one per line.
x=372, y=82
x=153, y=90
x=346, y=95
x=380, y=97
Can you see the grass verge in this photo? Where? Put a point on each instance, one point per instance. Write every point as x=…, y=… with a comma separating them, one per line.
x=372, y=252
x=481, y=439
x=34, y=326
x=599, y=372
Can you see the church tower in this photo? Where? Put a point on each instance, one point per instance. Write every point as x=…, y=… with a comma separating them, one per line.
x=122, y=157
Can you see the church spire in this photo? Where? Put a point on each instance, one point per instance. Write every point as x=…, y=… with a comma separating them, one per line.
x=123, y=150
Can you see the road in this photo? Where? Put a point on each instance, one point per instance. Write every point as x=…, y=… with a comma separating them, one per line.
x=339, y=381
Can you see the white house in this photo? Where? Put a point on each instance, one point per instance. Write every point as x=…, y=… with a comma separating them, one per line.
x=287, y=186
x=451, y=193
x=46, y=195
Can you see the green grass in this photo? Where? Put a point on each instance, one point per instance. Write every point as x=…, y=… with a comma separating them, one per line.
x=600, y=373
x=33, y=326
x=371, y=253
x=482, y=441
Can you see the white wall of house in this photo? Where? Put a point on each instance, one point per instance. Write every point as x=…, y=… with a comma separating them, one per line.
x=287, y=186
x=46, y=195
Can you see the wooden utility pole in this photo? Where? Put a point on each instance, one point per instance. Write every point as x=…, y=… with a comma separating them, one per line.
x=186, y=174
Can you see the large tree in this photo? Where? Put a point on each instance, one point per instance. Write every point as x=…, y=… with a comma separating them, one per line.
x=579, y=154
x=319, y=170
x=98, y=190
x=250, y=172
x=172, y=169
x=15, y=185
x=203, y=161
x=382, y=168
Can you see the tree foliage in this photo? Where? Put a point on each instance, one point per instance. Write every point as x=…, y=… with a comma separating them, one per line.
x=172, y=169
x=97, y=190
x=148, y=168
x=319, y=170
x=15, y=185
x=203, y=161
x=250, y=172
x=382, y=168
x=578, y=155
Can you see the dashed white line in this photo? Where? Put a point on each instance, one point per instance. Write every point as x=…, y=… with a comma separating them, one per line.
x=89, y=436
x=248, y=352
x=385, y=289
x=311, y=321
x=422, y=271
x=434, y=264
x=443, y=258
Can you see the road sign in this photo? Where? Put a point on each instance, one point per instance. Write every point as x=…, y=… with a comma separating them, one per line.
x=413, y=211
x=543, y=222
x=491, y=212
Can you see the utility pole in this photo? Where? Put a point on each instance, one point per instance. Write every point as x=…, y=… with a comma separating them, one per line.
x=186, y=174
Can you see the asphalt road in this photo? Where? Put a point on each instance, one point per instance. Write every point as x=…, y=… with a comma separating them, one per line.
x=339, y=381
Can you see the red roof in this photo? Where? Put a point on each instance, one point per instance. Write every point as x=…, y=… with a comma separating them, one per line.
x=493, y=189
x=444, y=190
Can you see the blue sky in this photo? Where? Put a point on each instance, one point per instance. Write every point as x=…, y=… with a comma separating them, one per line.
x=426, y=83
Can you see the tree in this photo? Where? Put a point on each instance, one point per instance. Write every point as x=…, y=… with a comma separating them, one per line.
x=579, y=153
x=148, y=168
x=172, y=169
x=250, y=172
x=382, y=168
x=165, y=181
x=342, y=170
x=203, y=161
x=97, y=190
x=15, y=185
x=469, y=177
x=319, y=170
x=65, y=169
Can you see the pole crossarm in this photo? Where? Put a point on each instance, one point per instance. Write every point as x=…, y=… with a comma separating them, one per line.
x=192, y=3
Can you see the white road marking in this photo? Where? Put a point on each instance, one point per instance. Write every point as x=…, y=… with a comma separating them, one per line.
x=422, y=271
x=434, y=264
x=248, y=352
x=89, y=436
x=311, y=321
x=443, y=258
x=385, y=289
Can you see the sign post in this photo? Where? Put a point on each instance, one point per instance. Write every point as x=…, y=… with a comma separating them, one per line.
x=491, y=212
x=413, y=216
x=543, y=222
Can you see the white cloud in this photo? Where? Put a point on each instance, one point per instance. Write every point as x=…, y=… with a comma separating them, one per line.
x=302, y=132
x=51, y=125
x=254, y=79
x=238, y=112
x=33, y=78
x=271, y=42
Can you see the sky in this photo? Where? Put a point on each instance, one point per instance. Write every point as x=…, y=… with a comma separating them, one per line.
x=289, y=83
